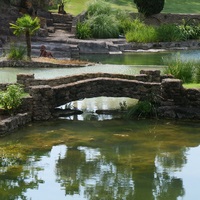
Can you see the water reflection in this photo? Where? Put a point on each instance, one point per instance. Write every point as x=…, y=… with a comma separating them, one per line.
x=115, y=159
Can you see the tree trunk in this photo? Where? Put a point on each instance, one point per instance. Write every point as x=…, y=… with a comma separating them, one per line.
x=28, y=44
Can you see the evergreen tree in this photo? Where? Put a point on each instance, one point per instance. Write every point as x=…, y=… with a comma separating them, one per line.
x=149, y=7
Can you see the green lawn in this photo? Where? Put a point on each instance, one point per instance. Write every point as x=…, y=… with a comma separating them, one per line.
x=171, y=6
x=192, y=85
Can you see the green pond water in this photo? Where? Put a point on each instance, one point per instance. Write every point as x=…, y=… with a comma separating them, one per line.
x=97, y=157
x=110, y=159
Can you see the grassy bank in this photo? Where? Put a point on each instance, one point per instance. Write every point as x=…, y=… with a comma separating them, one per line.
x=171, y=6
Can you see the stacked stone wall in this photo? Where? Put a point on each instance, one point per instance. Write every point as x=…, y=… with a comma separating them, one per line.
x=12, y=123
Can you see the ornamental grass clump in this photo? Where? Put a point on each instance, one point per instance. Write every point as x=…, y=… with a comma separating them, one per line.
x=168, y=33
x=143, y=35
x=101, y=22
x=104, y=26
x=16, y=52
x=181, y=69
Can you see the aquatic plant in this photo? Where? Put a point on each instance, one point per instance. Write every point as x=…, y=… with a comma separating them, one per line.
x=143, y=109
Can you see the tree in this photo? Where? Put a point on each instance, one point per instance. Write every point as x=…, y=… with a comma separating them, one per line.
x=28, y=26
x=149, y=7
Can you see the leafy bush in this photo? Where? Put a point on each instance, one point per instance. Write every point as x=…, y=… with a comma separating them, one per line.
x=190, y=30
x=149, y=7
x=10, y=99
x=16, y=52
x=83, y=30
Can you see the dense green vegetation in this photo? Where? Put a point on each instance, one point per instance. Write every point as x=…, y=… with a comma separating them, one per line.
x=187, y=71
x=11, y=99
x=141, y=32
x=16, y=52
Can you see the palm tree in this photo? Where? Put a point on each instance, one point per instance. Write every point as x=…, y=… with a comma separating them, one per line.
x=28, y=26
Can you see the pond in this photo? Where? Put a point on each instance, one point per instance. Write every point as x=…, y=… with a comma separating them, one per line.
x=111, y=159
x=128, y=63
x=98, y=157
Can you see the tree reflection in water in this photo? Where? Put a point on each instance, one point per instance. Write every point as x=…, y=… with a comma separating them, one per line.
x=105, y=178
x=123, y=161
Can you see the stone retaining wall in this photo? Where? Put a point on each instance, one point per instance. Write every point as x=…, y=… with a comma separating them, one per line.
x=168, y=18
x=12, y=123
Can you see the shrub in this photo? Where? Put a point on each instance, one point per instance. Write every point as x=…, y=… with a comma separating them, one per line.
x=10, y=99
x=99, y=7
x=104, y=26
x=149, y=7
x=189, y=30
x=16, y=52
x=124, y=21
x=168, y=33
x=83, y=30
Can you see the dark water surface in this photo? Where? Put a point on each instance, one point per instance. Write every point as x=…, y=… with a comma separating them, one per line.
x=114, y=159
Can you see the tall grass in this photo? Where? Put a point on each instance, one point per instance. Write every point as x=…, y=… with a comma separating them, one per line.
x=16, y=52
x=104, y=26
x=101, y=20
x=187, y=71
x=143, y=34
x=168, y=32
x=99, y=7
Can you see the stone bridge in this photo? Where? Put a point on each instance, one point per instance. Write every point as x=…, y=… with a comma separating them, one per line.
x=164, y=91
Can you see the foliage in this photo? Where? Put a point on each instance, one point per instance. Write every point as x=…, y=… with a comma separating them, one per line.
x=28, y=26
x=184, y=70
x=83, y=30
x=101, y=21
x=137, y=31
x=143, y=34
x=142, y=109
x=10, y=99
x=149, y=7
x=168, y=33
x=197, y=74
x=16, y=52
x=190, y=29
x=99, y=7
x=103, y=26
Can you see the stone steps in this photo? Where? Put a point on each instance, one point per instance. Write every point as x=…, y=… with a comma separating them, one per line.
x=61, y=26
